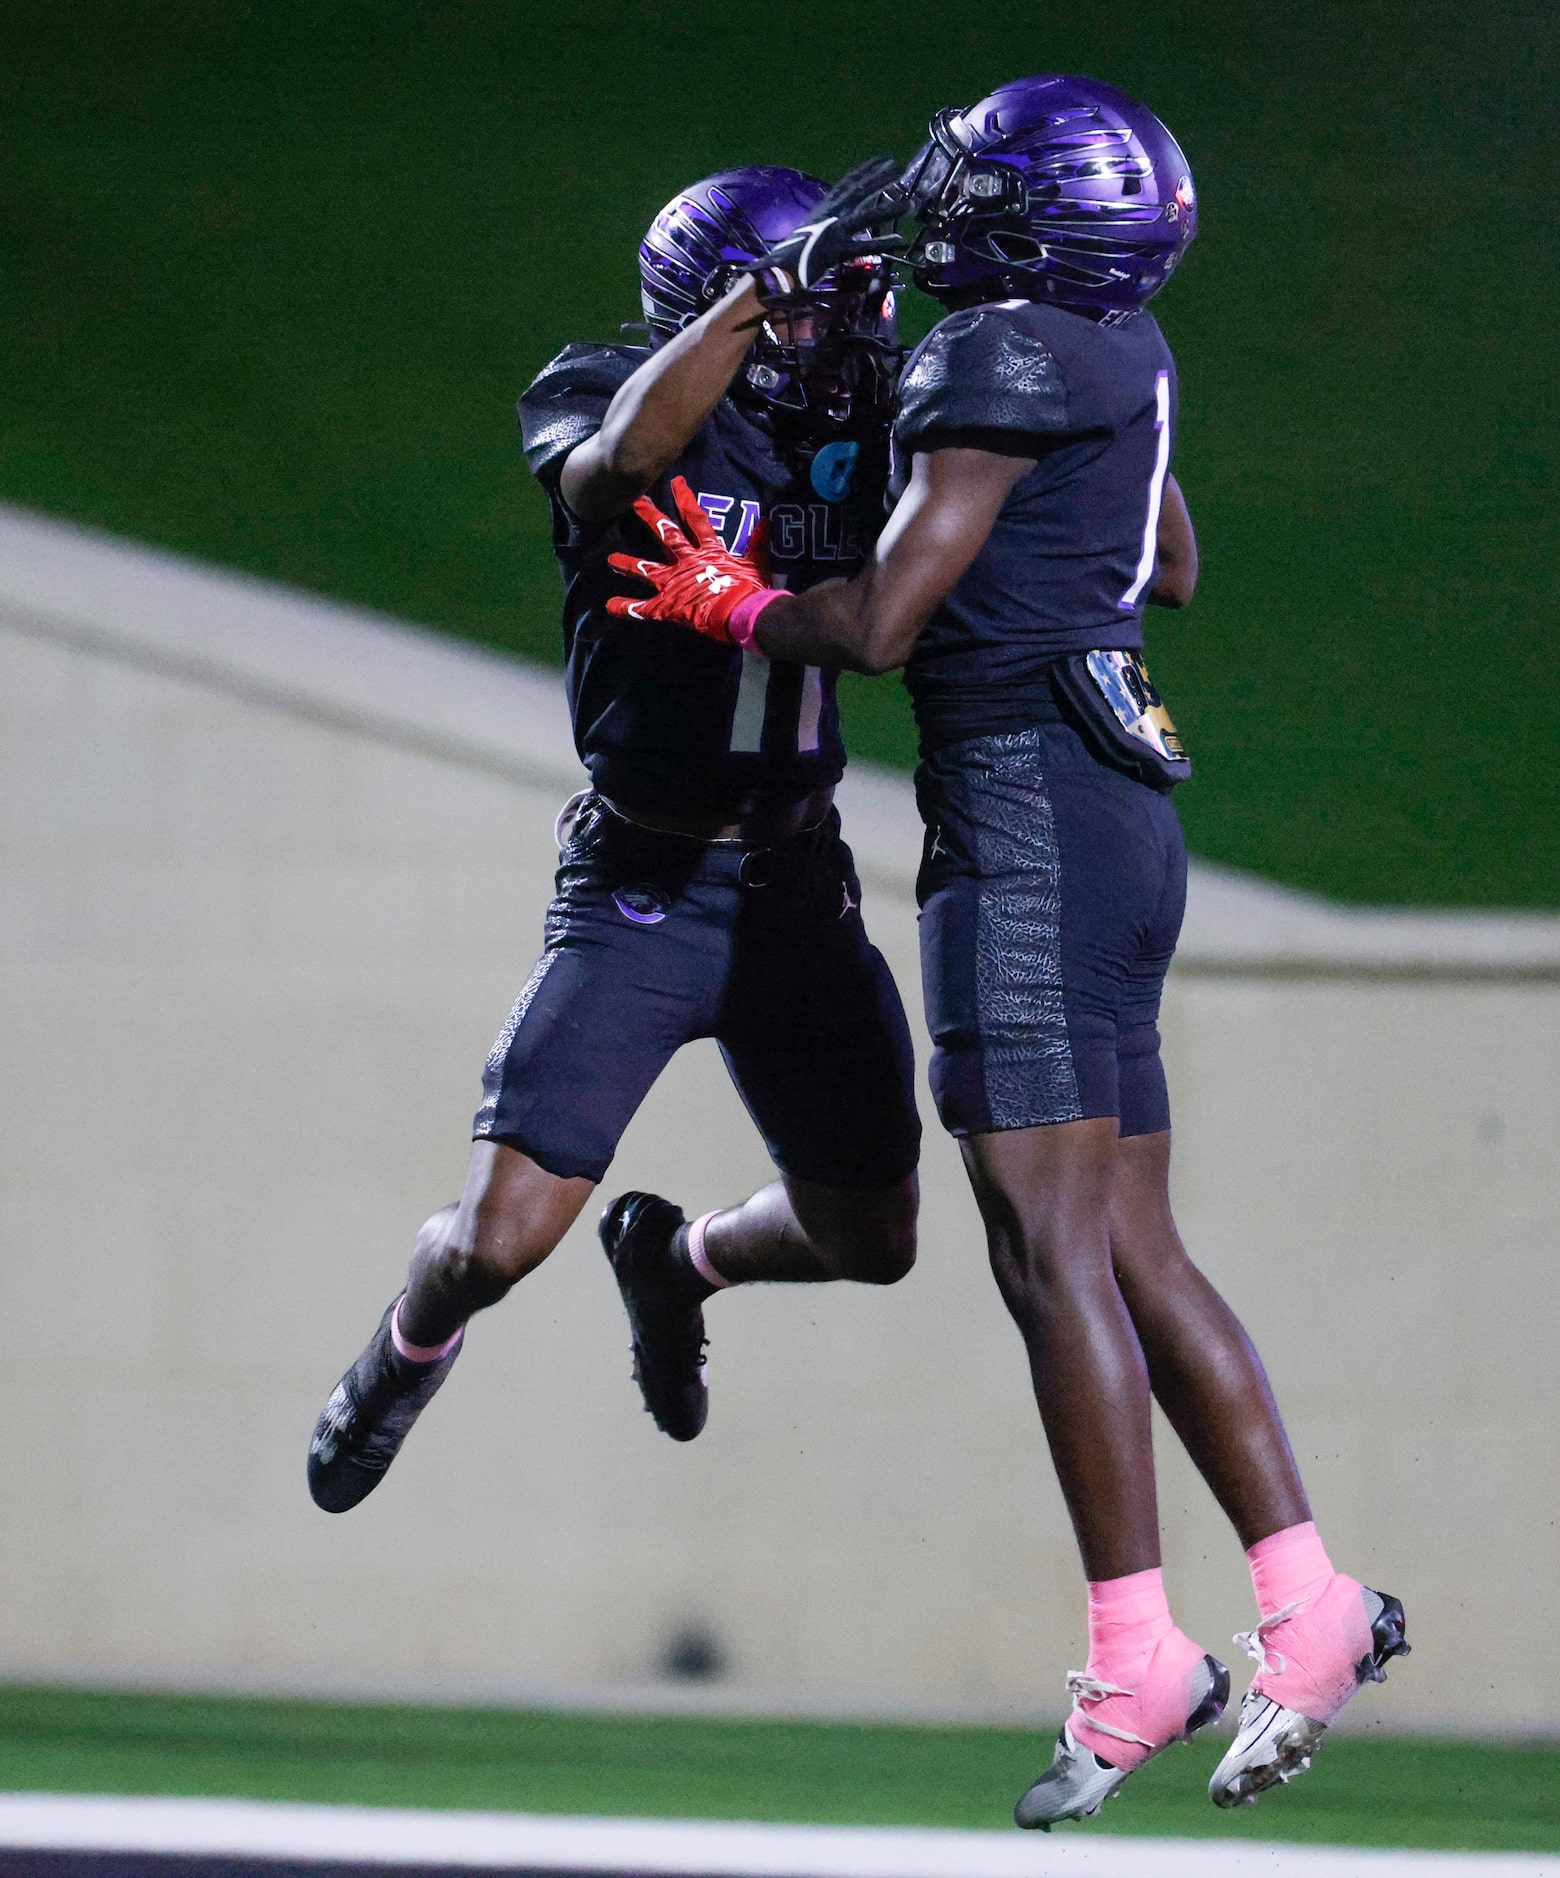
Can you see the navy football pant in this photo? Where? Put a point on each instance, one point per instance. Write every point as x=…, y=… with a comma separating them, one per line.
x=654, y=940
x=1052, y=889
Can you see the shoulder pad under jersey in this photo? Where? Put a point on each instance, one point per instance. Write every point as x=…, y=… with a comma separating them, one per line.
x=979, y=369
x=566, y=401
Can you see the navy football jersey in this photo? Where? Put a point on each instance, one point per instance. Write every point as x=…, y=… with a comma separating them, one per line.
x=664, y=719
x=1071, y=556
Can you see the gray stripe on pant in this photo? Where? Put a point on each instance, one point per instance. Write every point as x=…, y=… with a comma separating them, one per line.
x=1026, y=1057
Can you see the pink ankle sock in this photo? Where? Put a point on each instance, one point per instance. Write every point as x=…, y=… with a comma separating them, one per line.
x=420, y=1352
x=698, y=1258
x=1289, y=1567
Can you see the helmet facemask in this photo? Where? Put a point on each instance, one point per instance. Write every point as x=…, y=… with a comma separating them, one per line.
x=826, y=357
x=832, y=354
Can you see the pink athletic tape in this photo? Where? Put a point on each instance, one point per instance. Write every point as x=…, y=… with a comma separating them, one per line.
x=1126, y=1616
x=420, y=1352
x=1136, y=1653
x=1289, y=1567
x=743, y=622
x=699, y=1258
x=1313, y=1629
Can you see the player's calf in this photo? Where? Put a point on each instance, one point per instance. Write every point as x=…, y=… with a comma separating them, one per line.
x=471, y=1255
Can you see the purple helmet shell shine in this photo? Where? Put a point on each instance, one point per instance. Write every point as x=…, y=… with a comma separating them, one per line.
x=831, y=353
x=1052, y=188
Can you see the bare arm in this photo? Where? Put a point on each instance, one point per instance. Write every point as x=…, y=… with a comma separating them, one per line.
x=871, y=622
x=661, y=408
x=1175, y=573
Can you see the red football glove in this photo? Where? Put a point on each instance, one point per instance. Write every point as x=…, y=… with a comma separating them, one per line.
x=702, y=586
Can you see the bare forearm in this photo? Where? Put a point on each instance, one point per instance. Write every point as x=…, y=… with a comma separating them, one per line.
x=829, y=625
x=653, y=417
x=661, y=408
x=871, y=623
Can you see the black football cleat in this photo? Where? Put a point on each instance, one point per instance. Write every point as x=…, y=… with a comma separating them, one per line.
x=369, y=1414
x=665, y=1316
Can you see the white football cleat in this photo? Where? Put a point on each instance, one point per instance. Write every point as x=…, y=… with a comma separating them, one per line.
x=1079, y=1782
x=1274, y=1744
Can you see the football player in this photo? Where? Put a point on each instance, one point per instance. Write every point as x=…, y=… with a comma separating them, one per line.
x=703, y=888
x=1036, y=518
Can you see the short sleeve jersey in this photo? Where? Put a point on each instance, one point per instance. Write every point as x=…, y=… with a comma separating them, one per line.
x=1069, y=560
x=663, y=719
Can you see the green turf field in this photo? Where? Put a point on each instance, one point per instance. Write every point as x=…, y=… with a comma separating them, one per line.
x=271, y=274
x=1363, y=1791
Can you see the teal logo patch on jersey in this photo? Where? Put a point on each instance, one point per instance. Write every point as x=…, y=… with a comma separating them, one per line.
x=834, y=469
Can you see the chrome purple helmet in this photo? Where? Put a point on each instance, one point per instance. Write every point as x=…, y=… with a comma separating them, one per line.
x=817, y=356
x=1053, y=188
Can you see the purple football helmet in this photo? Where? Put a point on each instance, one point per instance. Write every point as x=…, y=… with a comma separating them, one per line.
x=834, y=350
x=1053, y=188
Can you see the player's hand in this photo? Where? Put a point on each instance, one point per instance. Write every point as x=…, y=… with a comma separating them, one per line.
x=837, y=230
x=703, y=584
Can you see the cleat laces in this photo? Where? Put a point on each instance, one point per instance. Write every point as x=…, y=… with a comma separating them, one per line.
x=1083, y=1687
x=1269, y=1662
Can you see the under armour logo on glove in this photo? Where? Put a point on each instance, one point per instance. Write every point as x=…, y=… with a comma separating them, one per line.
x=704, y=586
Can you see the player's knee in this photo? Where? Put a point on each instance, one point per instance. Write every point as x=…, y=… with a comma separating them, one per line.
x=1151, y=1260
x=1041, y=1259
x=885, y=1258
x=1005, y=1248
x=434, y=1233
x=879, y=1247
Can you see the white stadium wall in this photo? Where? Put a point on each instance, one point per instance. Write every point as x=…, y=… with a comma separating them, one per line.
x=271, y=873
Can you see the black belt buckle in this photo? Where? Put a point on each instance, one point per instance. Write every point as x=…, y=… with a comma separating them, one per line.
x=756, y=868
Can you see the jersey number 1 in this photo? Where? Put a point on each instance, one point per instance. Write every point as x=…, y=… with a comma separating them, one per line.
x=1156, y=493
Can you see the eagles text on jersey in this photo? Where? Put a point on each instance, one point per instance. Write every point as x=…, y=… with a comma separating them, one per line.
x=663, y=719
